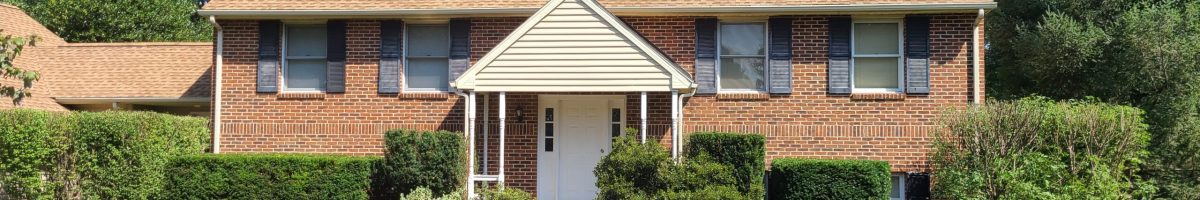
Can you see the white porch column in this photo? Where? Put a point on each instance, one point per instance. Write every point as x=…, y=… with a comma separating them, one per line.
x=643, y=110
x=503, y=96
x=675, y=143
x=469, y=109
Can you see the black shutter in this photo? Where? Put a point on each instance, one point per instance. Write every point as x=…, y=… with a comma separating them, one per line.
x=336, y=57
x=267, y=75
x=916, y=48
x=917, y=186
x=780, y=67
x=460, y=47
x=839, y=55
x=389, y=56
x=706, y=55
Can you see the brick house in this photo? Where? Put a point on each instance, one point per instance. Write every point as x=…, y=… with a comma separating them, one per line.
x=540, y=87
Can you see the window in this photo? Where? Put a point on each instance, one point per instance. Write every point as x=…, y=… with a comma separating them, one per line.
x=614, y=128
x=304, y=57
x=743, y=57
x=549, y=130
x=876, y=62
x=897, y=187
x=427, y=56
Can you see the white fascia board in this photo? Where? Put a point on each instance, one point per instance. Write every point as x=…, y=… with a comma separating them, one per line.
x=618, y=10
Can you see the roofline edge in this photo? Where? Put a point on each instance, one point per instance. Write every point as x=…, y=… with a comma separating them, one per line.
x=721, y=9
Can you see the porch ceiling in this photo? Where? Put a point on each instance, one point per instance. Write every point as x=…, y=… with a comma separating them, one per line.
x=574, y=46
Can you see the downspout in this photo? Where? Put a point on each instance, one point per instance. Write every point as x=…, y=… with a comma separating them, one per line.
x=976, y=93
x=679, y=131
x=216, y=138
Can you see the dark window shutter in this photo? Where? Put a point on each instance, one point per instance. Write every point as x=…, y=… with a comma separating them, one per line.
x=780, y=67
x=917, y=186
x=839, y=55
x=916, y=48
x=389, y=56
x=460, y=47
x=267, y=75
x=706, y=55
x=336, y=57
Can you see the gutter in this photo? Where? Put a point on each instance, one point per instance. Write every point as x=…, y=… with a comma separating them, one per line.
x=95, y=100
x=219, y=60
x=620, y=10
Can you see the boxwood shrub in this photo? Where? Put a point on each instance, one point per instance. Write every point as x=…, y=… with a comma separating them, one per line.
x=745, y=153
x=269, y=176
x=431, y=159
x=793, y=178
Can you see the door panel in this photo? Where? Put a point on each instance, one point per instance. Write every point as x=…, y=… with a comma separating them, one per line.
x=581, y=138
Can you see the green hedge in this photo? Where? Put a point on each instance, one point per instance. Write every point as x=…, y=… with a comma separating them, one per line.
x=431, y=159
x=793, y=178
x=635, y=170
x=746, y=153
x=269, y=176
x=95, y=155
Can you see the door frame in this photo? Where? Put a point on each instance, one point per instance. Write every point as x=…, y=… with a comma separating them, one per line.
x=547, y=162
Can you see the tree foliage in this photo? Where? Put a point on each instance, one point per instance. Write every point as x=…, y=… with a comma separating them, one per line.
x=1140, y=53
x=10, y=48
x=120, y=20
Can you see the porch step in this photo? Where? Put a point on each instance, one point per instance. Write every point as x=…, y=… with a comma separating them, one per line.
x=480, y=177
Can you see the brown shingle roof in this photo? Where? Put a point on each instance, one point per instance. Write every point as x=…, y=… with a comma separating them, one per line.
x=453, y=4
x=158, y=70
x=16, y=23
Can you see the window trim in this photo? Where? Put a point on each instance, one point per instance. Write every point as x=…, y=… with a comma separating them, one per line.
x=404, y=55
x=284, y=62
x=903, y=186
x=899, y=55
x=766, y=56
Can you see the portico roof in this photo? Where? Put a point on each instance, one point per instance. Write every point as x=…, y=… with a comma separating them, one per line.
x=574, y=46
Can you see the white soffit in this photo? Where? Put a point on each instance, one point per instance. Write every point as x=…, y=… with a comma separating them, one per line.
x=574, y=46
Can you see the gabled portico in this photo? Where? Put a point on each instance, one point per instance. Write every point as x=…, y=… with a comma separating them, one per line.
x=575, y=52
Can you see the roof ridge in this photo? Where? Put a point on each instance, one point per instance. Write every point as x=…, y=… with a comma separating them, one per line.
x=3, y=4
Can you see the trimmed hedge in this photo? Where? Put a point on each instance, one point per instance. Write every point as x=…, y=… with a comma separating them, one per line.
x=430, y=159
x=746, y=153
x=92, y=155
x=269, y=176
x=793, y=178
x=635, y=170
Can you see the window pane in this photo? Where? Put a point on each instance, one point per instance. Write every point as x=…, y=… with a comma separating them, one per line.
x=743, y=39
x=549, y=144
x=428, y=40
x=877, y=38
x=896, y=190
x=549, y=114
x=742, y=73
x=876, y=73
x=615, y=130
x=549, y=129
x=306, y=40
x=616, y=115
x=305, y=74
x=427, y=73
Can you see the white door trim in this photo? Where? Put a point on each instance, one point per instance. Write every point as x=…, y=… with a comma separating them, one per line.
x=548, y=166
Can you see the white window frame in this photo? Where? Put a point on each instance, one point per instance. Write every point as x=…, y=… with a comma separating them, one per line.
x=765, y=56
x=284, y=53
x=903, y=186
x=406, y=46
x=899, y=55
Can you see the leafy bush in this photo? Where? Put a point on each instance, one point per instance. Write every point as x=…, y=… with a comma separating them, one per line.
x=268, y=176
x=793, y=178
x=1036, y=148
x=504, y=193
x=635, y=170
x=432, y=159
x=104, y=155
x=120, y=21
x=30, y=145
x=746, y=154
x=422, y=193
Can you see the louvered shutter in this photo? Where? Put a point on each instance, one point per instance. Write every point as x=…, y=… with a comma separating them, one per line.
x=916, y=48
x=336, y=57
x=267, y=74
x=839, y=55
x=917, y=186
x=389, y=56
x=780, y=66
x=706, y=55
x=460, y=47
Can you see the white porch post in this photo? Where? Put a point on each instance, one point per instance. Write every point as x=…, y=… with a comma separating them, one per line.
x=675, y=125
x=500, y=178
x=469, y=108
x=643, y=110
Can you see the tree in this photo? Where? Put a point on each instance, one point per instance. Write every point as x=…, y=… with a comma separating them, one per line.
x=10, y=48
x=1140, y=53
x=120, y=20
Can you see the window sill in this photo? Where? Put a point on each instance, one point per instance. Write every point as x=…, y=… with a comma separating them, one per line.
x=426, y=95
x=300, y=95
x=877, y=96
x=743, y=96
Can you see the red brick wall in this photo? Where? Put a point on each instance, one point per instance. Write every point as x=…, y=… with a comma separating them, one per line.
x=808, y=123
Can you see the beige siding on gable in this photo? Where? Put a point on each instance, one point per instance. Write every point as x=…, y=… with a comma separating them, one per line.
x=573, y=49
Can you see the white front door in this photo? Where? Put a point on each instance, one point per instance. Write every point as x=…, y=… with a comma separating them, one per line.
x=575, y=132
